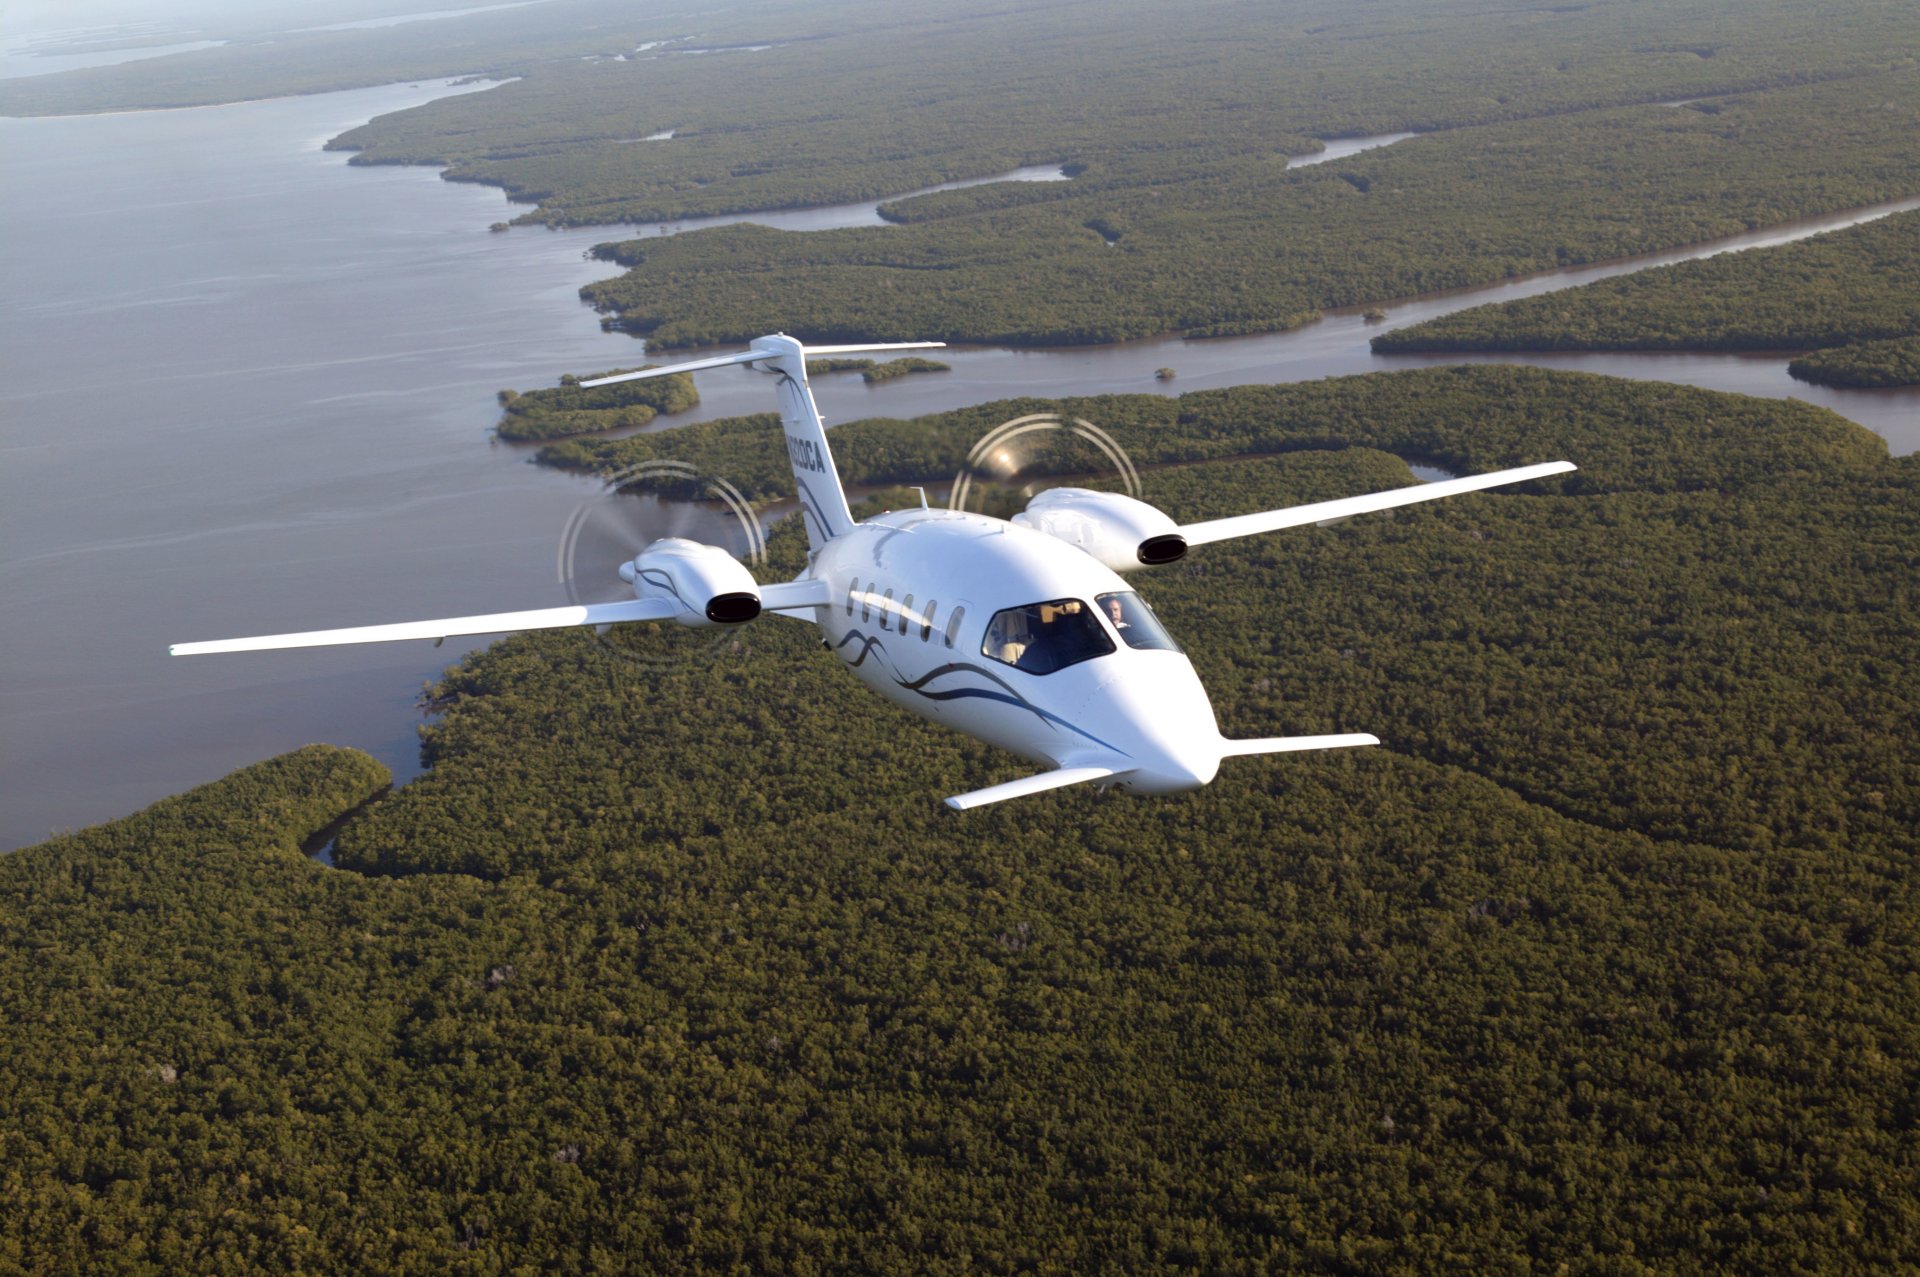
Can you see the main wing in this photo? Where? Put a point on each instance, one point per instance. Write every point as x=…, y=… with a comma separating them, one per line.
x=798, y=599
x=1246, y=525
x=492, y=623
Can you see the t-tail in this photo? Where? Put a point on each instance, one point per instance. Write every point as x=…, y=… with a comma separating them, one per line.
x=823, y=502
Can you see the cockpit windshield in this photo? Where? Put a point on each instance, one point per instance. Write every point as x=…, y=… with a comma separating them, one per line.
x=1043, y=637
x=1134, y=620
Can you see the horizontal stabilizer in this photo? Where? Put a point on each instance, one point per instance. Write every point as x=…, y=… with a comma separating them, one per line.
x=1246, y=525
x=878, y=345
x=750, y=356
x=1291, y=744
x=492, y=623
x=1028, y=785
x=692, y=365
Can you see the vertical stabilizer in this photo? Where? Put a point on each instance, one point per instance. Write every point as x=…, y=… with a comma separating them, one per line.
x=823, y=503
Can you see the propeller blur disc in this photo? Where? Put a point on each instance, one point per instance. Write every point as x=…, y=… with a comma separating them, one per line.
x=629, y=511
x=1018, y=459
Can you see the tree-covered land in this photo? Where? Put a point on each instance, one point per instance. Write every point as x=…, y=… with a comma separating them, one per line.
x=1539, y=150
x=1859, y=285
x=1863, y=365
x=1606, y=961
x=1248, y=245
x=1529, y=413
x=895, y=368
x=565, y=410
x=273, y=53
x=1543, y=145
x=881, y=104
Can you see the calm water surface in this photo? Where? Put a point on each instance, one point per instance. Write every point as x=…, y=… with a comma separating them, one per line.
x=249, y=389
x=1341, y=148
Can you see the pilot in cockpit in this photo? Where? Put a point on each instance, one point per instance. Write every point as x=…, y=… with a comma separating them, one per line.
x=1043, y=637
x=1009, y=639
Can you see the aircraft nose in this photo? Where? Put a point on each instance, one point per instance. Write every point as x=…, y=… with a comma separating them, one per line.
x=1167, y=721
x=1187, y=767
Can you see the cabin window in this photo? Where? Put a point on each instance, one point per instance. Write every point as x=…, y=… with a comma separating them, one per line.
x=866, y=603
x=853, y=592
x=1130, y=617
x=953, y=624
x=906, y=613
x=1043, y=637
x=926, y=619
x=886, y=613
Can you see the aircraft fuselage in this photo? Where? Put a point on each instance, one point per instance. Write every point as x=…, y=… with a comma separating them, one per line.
x=929, y=605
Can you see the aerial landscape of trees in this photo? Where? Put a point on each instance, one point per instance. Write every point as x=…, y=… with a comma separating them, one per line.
x=880, y=105
x=1407, y=414
x=1856, y=290
x=1549, y=137
x=1606, y=962
x=1863, y=365
x=557, y=412
x=1246, y=244
x=265, y=54
x=1172, y=222
x=891, y=369
x=1604, y=959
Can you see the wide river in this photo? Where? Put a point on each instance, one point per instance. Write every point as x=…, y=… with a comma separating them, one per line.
x=247, y=389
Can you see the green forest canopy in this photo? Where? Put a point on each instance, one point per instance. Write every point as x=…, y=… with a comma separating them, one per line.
x=557, y=412
x=261, y=58
x=1135, y=90
x=1209, y=243
x=1864, y=365
x=1861, y=284
x=1605, y=959
x=1551, y=57
x=1544, y=145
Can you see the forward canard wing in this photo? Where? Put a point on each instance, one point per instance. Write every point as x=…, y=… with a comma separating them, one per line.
x=1128, y=773
x=1058, y=779
x=1296, y=744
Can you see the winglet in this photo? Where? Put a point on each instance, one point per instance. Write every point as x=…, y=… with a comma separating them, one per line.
x=1027, y=785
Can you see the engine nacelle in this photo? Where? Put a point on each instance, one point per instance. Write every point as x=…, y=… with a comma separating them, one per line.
x=1119, y=531
x=708, y=584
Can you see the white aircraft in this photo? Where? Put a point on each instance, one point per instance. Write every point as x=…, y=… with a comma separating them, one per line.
x=1020, y=633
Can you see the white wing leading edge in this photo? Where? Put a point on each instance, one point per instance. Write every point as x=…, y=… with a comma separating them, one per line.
x=1246, y=525
x=793, y=598
x=1296, y=744
x=752, y=355
x=1058, y=779
x=1062, y=777
x=493, y=623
